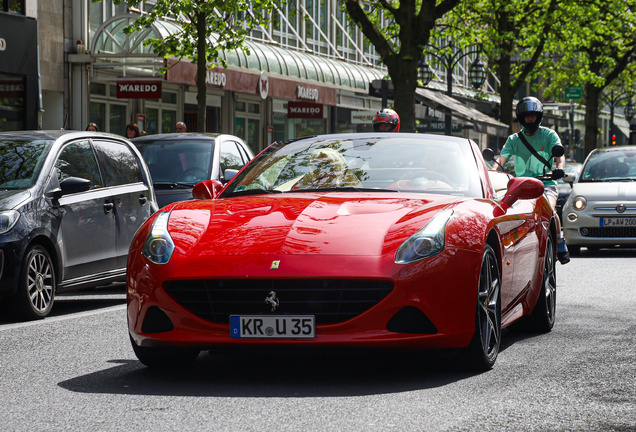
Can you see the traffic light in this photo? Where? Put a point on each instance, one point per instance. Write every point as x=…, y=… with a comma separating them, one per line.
x=613, y=139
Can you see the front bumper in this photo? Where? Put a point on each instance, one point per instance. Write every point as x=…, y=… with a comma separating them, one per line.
x=583, y=227
x=443, y=288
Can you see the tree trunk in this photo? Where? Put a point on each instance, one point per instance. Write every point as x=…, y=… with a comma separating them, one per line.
x=404, y=77
x=506, y=92
x=592, y=96
x=201, y=72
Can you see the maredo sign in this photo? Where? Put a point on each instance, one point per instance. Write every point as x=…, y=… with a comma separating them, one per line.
x=138, y=89
x=308, y=110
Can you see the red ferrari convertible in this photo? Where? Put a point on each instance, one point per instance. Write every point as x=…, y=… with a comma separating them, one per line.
x=376, y=240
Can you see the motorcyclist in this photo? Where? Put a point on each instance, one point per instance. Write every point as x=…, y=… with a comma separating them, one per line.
x=530, y=114
x=386, y=120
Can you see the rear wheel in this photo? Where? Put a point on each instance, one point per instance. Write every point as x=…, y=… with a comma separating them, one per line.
x=164, y=357
x=36, y=286
x=542, y=318
x=482, y=352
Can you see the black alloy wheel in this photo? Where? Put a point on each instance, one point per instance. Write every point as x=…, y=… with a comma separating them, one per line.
x=482, y=352
x=542, y=318
x=36, y=286
x=164, y=358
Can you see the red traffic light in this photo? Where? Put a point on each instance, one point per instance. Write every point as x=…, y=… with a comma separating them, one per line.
x=613, y=139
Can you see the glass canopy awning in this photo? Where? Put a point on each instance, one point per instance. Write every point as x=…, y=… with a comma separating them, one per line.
x=114, y=52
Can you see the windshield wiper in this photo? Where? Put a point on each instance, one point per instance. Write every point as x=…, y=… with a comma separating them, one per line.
x=344, y=189
x=170, y=185
x=251, y=192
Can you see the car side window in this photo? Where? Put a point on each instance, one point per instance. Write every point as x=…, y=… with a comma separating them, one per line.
x=78, y=160
x=119, y=164
x=230, y=156
x=244, y=153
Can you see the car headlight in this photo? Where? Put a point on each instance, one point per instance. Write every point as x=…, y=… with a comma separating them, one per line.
x=8, y=219
x=579, y=203
x=159, y=246
x=426, y=242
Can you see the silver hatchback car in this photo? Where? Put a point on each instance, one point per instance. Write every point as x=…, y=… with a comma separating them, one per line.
x=601, y=210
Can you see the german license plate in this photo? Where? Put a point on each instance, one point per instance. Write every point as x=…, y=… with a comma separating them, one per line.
x=272, y=326
x=625, y=221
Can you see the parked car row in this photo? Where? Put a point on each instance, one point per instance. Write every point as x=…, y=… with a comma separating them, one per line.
x=71, y=202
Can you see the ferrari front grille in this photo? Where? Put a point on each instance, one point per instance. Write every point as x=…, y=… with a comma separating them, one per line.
x=616, y=232
x=331, y=301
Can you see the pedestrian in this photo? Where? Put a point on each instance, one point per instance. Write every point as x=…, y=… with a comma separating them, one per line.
x=92, y=127
x=132, y=131
x=532, y=148
x=181, y=127
x=386, y=120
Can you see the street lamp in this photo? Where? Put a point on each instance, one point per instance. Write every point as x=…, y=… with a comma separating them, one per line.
x=476, y=73
x=630, y=112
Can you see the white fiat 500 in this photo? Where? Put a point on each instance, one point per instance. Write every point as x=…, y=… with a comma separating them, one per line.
x=601, y=210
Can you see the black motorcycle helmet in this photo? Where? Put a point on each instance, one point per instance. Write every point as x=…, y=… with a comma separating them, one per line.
x=530, y=105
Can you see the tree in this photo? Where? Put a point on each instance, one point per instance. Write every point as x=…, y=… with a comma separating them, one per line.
x=399, y=30
x=208, y=27
x=513, y=34
x=602, y=42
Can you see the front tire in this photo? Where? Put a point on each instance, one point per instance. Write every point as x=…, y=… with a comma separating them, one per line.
x=164, y=358
x=36, y=285
x=542, y=318
x=483, y=349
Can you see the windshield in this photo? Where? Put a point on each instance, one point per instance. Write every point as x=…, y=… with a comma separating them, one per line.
x=610, y=165
x=176, y=162
x=20, y=162
x=376, y=163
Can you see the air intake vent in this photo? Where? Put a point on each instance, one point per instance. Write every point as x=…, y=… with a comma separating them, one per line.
x=331, y=301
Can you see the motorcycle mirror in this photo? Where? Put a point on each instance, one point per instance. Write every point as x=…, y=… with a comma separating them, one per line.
x=558, y=151
x=488, y=154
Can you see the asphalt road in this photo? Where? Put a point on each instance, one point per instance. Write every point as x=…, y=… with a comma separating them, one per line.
x=76, y=371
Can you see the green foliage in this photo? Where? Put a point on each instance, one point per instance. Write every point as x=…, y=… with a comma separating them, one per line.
x=224, y=25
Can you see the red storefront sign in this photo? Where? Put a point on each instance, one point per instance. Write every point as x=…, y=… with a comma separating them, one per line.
x=296, y=109
x=138, y=89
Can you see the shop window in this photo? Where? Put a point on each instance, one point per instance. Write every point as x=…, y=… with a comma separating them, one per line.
x=15, y=6
x=98, y=115
x=152, y=115
x=168, y=121
x=98, y=89
x=169, y=97
x=117, y=119
x=254, y=108
x=239, y=106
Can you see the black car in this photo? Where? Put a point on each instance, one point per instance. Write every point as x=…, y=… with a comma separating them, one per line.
x=179, y=161
x=70, y=204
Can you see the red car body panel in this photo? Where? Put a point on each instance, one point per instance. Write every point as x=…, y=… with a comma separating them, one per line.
x=350, y=235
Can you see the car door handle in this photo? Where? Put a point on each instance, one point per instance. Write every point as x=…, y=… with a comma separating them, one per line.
x=108, y=207
x=143, y=199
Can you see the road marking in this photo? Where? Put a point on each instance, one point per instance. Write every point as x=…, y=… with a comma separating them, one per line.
x=62, y=318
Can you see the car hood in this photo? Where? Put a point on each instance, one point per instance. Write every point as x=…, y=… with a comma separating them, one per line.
x=10, y=199
x=605, y=191
x=331, y=224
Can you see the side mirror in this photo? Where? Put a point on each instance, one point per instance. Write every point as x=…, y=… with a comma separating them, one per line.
x=558, y=151
x=488, y=154
x=71, y=185
x=207, y=189
x=229, y=174
x=569, y=178
x=520, y=188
